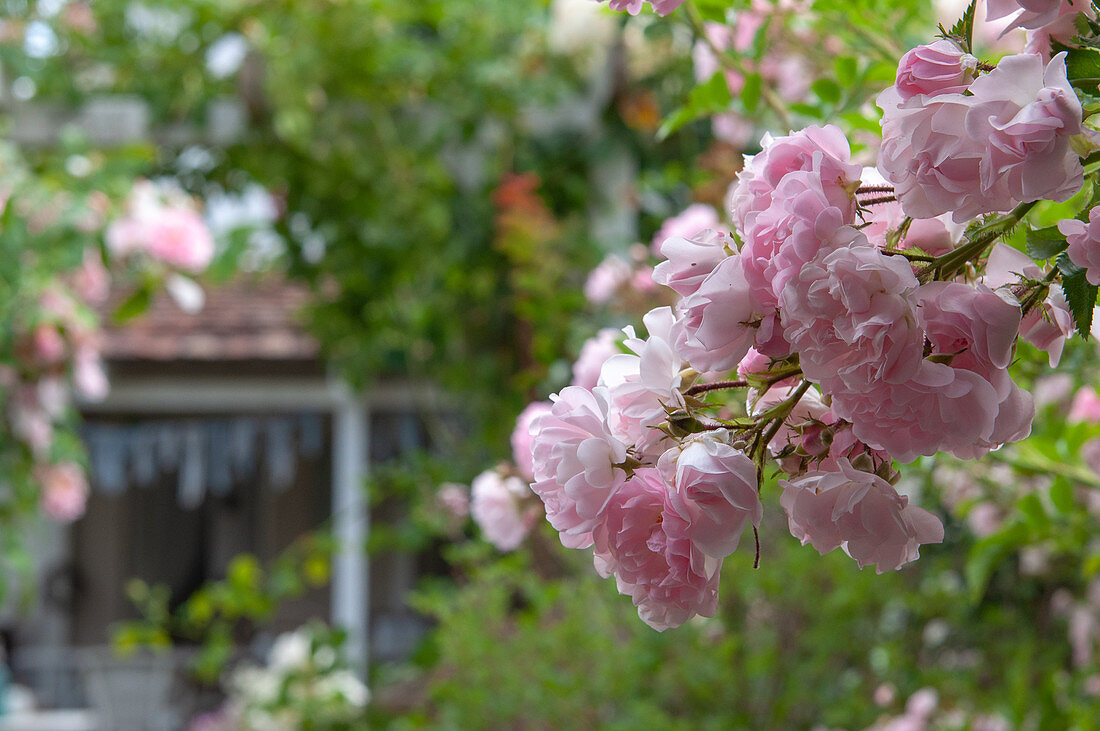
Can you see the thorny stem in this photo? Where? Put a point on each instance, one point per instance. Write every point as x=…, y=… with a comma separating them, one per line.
x=877, y=200
x=1038, y=292
x=716, y=386
x=910, y=255
x=950, y=263
x=756, y=538
x=874, y=189
x=734, y=64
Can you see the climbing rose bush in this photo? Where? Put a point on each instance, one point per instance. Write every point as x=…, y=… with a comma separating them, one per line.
x=869, y=314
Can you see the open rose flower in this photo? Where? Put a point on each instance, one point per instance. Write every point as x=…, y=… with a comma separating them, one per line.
x=646, y=543
x=1084, y=244
x=1005, y=141
x=521, y=436
x=690, y=260
x=576, y=462
x=715, y=487
x=689, y=223
x=501, y=507
x=860, y=513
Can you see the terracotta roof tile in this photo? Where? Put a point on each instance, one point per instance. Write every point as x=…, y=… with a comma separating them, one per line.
x=248, y=319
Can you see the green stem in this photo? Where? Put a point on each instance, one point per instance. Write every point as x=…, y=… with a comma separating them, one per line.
x=695, y=18
x=946, y=266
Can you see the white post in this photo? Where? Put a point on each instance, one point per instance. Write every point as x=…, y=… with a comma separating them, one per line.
x=351, y=521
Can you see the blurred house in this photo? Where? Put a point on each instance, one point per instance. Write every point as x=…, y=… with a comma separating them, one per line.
x=223, y=433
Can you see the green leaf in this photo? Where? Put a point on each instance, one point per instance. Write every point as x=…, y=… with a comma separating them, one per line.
x=1032, y=508
x=704, y=100
x=1045, y=243
x=845, y=69
x=1080, y=295
x=963, y=30
x=1061, y=495
x=827, y=90
x=750, y=92
x=1082, y=63
x=134, y=305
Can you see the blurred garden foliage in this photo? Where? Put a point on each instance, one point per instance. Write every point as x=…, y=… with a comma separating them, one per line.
x=438, y=196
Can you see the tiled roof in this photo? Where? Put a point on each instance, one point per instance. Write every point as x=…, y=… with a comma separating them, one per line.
x=256, y=318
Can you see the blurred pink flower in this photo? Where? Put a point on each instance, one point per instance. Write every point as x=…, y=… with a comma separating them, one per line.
x=1085, y=407
x=606, y=279
x=64, y=491
x=91, y=280
x=455, y=499
x=594, y=353
x=521, y=437
x=692, y=221
x=499, y=507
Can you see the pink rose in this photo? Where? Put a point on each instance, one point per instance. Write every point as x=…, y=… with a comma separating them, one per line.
x=690, y=260
x=1085, y=407
x=802, y=221
x=501, y=510
x=64, y=491
x=715, y=488
x=91, y=280
x=163, y=224
x=822, y=150
x=89, y=376
x=1032, y=14
x=181, y=239
x=455, y=499
x=1004, y=142
x=576, y=462
x=594, y=353
x=606, y=279
x=937, y=68
x=859, y=512
x=640, y=386
x=850, y=316
x=1046, y=326
x=718, y=324
x=646, y=543
x=521, y=436
x=49, y=346
x=689, y=223
x=977, y=329
x=1084, y=244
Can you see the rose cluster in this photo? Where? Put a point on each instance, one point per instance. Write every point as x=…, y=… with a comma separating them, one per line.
x=865, y=327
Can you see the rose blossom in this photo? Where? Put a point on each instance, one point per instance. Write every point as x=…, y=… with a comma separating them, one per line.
x=455, y=499
x=1004, y=142
x=689, y=223
x=805, y=217
x=49, y=346
x=966, y=405
x=1084, y=244
x=575, y=460
x=1031, y=14
x=977, y=329
x=641, y=385
x=91, y=280
x=1046, y=326
x=89, y=376
x=934, y=69
x=521, y=436
x=1085, y=407
x=606, y=279
x=689, y=260
x=933, y=236
x=715, y=488
x=851, y=318
x=497, y=506
x=647, y=544
x=718, y=324
x=594, y=353
x=859, y=512
x=823, y=150
x=164, y=225
x=64, y=491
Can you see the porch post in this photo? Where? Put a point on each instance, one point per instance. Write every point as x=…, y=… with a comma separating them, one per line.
x=351, y=522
